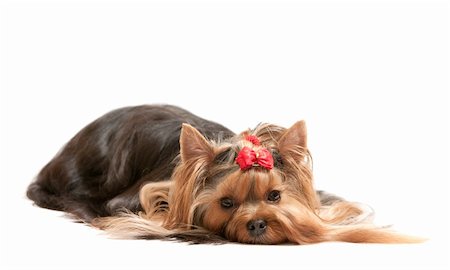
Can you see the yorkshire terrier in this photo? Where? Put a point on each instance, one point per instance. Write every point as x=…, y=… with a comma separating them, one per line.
x=161, y=172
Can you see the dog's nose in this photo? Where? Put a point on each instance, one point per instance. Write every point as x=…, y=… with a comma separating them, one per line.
x=256, y=227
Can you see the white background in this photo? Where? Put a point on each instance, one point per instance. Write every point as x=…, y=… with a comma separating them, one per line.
x=370, y=78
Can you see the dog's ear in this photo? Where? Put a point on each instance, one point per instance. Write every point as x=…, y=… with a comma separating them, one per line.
x=195, y=152
x=294, y=152
x=193, y=145
x=293, y=140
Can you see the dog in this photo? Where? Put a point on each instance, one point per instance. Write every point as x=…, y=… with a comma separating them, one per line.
x=161, y=172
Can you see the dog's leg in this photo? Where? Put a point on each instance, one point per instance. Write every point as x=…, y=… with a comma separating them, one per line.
x=126, y=200
x=328, y=198
x=338, y=211
x=47, y=199
x=154, y=199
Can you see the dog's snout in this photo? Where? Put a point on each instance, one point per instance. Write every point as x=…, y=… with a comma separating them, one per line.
x=256, y=227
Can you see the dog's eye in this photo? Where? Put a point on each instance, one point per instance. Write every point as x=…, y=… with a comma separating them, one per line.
x=226, y=203
x=274, y=196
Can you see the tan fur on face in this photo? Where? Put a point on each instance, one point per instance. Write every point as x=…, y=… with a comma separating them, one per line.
x=249, y=192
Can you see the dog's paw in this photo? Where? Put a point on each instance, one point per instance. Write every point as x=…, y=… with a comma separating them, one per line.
x=366, y=215
x=346, y=213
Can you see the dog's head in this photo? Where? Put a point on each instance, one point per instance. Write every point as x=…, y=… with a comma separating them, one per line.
x=254, y=188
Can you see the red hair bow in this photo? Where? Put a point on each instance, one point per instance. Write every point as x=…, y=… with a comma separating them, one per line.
x=253, y=139
x=248, y=158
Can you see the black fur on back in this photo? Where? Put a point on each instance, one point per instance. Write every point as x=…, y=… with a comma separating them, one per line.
x=102, y=168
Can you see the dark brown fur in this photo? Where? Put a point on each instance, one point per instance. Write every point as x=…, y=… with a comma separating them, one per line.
x=102, y=168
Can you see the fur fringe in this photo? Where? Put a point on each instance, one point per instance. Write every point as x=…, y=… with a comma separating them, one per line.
x=131, y=226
